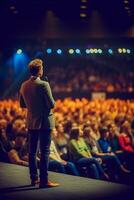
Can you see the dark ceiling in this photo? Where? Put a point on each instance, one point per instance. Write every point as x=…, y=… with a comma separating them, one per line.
x=28, y=15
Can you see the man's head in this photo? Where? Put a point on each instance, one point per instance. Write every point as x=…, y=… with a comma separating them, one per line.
x=36, y=67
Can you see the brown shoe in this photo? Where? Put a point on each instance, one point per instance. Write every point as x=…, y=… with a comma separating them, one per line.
x=48, y=184
x=35, y=182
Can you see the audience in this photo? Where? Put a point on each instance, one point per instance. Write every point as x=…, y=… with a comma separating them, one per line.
x=102, y=74
x=88, y=118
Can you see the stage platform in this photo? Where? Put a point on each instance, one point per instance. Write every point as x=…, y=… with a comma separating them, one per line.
x=15, y=184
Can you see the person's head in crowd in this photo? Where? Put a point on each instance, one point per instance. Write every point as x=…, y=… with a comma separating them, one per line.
x=68, y=126
x=86, y=125
x=36, y=67
x=3, y=124
x=19, y=125
x=104, y=133
x=113, y=130
x=119, y=119
x=94, y=126
x=74, y=125
x=75, y=133
x=89, y=134
x=61, y=135
x=126, y=128
x=60, y=129
x=20, y=139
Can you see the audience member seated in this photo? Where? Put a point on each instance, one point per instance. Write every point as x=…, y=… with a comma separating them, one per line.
x=81, y=155
x=61, y=140
x=125, y=139
x=106, y=148
x=56, y=163
x=112, y=163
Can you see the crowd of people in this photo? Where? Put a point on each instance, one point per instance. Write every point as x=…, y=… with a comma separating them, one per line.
x=91, y=77
x=99, y=75
x=92, y=138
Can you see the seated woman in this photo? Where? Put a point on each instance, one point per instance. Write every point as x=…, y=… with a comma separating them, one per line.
x=125, y=139
x=61, y=140
x=56, y=163
x=80, y=154
x=106, y=148
x=113, y=164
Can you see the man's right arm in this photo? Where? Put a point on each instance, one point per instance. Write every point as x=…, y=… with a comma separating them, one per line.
x=47, y=93
x=22, y=102
x=21, y=99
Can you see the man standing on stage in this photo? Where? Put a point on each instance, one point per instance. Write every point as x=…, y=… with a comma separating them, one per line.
x=36, y=96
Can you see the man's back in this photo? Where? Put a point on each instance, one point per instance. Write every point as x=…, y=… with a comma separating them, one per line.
x=36, y=96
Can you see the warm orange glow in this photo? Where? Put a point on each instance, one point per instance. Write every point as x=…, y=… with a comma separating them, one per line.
x=83, y=7
x=83, y=15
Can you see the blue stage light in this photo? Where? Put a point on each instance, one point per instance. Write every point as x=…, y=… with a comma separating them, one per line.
x=77, y=51
x=87, y=51
x=49, y=51
x=128, y=51
x=110, y=51
x=100, y=51
x=59, y=51
x=19, y=51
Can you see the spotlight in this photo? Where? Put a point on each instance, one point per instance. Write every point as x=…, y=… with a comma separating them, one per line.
x=120, y=50
x=59, y=51
x=128, y=51
x=19, y=51
x=91, y=50
x=77, y=51
x=110, y=51
x=100, y=51
x=49, y=51
x=87, y=51
x=124, y=50
x=71, y=51
x=95, y=51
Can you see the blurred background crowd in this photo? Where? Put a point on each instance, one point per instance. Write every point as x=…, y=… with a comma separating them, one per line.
x=99, y=131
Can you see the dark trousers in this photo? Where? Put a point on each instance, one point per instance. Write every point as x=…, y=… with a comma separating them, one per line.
x=92, y=165
x=113, y=163
x=127, y=158
x=42, y=137
x=69, y=168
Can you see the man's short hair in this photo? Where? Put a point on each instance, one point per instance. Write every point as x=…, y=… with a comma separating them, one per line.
x=35, y=66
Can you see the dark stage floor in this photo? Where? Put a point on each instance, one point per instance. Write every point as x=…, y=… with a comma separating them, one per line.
x=15, y=184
